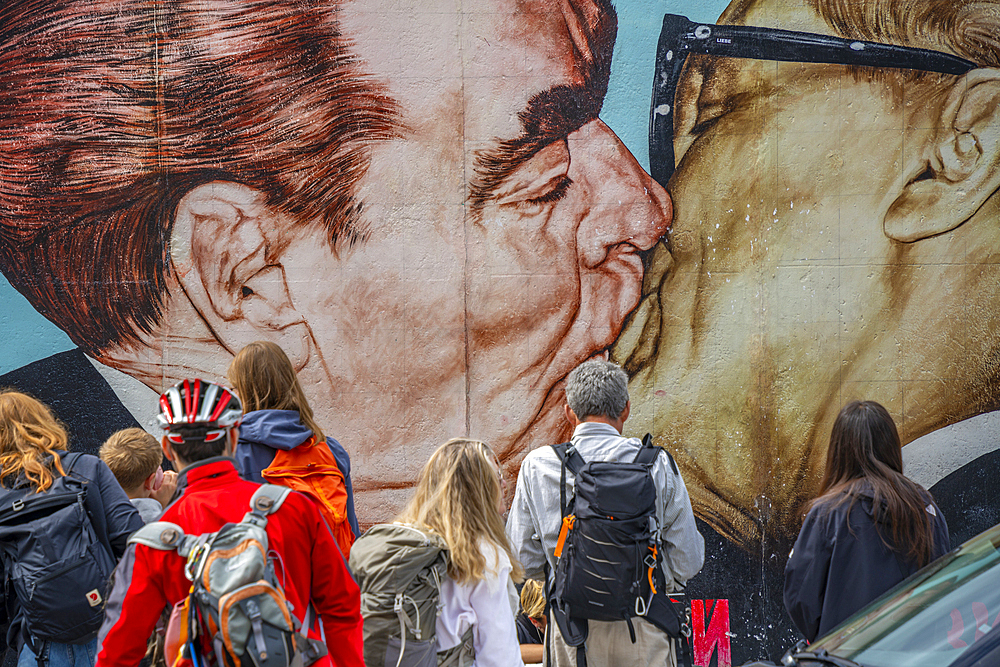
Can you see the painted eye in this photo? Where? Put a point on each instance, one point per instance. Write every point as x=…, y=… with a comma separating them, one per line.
x=555, y=190
x=541, y=181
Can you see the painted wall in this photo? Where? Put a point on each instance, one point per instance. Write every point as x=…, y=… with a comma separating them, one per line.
x=439, y=209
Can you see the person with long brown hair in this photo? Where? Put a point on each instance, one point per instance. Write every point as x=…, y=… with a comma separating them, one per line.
x=869, y=528
x=41, y=486
x=278, y=419
x=459, y=496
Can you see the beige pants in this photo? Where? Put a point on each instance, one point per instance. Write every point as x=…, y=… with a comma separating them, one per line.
x=609, y=645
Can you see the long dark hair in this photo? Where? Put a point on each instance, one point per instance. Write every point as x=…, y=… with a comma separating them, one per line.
x=865, y=455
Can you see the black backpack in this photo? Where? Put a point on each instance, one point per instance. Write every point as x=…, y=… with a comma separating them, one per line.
x=609, y=552
x=53, y=559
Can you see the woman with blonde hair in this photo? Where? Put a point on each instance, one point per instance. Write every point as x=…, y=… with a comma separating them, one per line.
x=64, y=522
x=278, y=422
x=459, y=496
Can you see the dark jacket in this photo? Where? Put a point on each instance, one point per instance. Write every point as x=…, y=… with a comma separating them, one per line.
x=111, y=513
x=840, y=564
x=264, y=431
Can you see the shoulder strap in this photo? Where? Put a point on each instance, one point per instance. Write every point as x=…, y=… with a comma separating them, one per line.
x=266, y=500
x=569, y=458
x=161, y=535
x=70, y=460
x=648, y=452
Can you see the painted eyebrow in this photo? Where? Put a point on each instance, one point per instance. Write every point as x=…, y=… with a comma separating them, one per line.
x=549, y=116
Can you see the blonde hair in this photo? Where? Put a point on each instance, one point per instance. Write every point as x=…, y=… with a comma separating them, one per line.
x=533, y=599
x=133, y=455
x=264, y=379
x=29, y=435
x=458, y=497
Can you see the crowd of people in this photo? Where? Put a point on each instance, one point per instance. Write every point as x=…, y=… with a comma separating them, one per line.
x=155, y=565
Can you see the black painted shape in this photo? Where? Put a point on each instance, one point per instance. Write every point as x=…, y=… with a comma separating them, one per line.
x=753, y=584
x=969, y=498
x=80, y=396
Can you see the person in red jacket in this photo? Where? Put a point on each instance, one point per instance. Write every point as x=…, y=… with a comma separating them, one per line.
x=201, y=421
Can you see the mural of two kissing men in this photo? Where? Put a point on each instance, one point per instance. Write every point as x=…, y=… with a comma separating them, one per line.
x=422, y=203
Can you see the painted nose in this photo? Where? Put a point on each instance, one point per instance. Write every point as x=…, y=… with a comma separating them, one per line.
x=628, y=211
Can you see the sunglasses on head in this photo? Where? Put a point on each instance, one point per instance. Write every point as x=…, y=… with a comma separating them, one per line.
x=681, y=37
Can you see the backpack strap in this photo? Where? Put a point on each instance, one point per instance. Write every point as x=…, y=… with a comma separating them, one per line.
x=648, y=452
x=164, y=536
x=570, y=458
x=266, y=500
x=69, y=460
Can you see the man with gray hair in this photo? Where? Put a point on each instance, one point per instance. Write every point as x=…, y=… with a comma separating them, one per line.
x=597, y=405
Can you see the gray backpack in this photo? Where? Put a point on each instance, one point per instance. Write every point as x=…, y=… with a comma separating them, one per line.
x=400, y=569
x=236, y=614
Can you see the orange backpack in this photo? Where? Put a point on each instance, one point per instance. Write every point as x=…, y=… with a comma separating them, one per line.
x=312, y=469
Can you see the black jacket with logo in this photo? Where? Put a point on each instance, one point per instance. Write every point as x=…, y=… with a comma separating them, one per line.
x=840, y=563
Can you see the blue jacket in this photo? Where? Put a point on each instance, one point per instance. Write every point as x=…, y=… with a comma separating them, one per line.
x=264, y=431
x=840, y=564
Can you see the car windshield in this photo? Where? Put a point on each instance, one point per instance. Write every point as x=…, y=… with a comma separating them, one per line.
x=932, y=618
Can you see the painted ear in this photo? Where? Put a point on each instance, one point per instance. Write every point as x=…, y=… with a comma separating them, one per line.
x=962, y=169
x=226, y=253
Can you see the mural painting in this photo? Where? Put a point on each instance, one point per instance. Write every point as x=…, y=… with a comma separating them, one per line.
x=431, y=208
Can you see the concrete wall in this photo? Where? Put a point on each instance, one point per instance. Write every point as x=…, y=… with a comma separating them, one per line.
x=440, y=208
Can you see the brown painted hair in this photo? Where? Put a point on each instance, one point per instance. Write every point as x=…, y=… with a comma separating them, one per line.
x=29, y=437
x=112, y=110
x=264, y=379
x=865, y=457
x=458, y=497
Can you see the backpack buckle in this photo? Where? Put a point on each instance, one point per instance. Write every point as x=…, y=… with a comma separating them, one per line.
x=170, y=537
x=17, y=505
x=650, y=560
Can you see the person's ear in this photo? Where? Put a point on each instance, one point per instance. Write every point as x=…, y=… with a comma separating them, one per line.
x=149, y=482
x=962, y=168
x=168, y=451
x=226, y=252
x=571, y=416
x=625, y=413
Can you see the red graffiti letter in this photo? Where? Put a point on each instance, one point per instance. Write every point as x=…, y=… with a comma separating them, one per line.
x=704, y=641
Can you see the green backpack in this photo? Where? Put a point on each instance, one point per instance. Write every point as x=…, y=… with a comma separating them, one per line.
x=400, y=569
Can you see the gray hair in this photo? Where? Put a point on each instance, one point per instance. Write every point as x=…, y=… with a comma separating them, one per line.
x=597, y=388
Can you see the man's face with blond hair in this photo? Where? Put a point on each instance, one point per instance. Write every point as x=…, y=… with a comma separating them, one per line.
x=833, y=240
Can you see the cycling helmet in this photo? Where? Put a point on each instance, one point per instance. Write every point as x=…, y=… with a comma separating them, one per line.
x=198, y=410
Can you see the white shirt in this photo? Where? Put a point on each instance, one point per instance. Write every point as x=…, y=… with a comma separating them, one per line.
x=488, y=606
x=536, y=515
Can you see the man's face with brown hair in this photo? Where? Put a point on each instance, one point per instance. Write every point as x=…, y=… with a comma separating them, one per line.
x=420, y=205
x=504, y=229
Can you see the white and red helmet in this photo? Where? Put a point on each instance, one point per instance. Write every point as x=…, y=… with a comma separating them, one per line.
x=197, y=409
